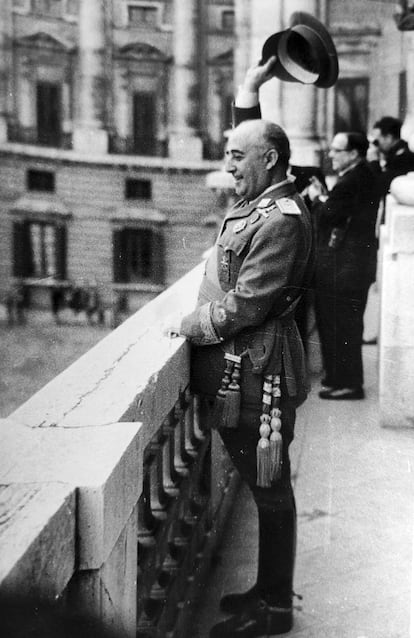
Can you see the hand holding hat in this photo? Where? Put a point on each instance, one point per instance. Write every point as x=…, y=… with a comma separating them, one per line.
x=258, y=74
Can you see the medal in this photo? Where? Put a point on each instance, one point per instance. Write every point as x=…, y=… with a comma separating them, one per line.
x=241, y=225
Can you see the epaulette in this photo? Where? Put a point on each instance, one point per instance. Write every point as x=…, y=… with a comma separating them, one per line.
x=288, y=206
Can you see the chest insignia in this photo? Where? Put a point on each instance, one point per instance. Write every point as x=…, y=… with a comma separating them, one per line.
x=254, y=218
x=288, y=206
x=241, y=225
x=264, y=203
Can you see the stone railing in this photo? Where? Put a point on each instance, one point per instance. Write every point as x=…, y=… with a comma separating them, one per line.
x=108, y=502
x=396, y=270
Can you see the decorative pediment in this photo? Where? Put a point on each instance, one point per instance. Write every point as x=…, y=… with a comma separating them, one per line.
x=224, y=59
x=142, y=51
x=41, y=40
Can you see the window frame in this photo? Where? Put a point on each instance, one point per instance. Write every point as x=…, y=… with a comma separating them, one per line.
x=223, y=17
x=154, y=8
x=23, y=249
x=41, y=12
x=122, y=238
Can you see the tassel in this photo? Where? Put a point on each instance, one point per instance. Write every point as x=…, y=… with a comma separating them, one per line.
x=231, y=410
x=263, y=463
x=263, y=460
x=276, y=442
x=217, y=416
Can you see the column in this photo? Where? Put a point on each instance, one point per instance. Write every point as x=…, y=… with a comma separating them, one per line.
x=184, y=140
x=396, y=339
x=408, y=126
x=300, y=102
x=89, y=134
x=26, y=96
x=122, y=107
x=5, y=64
x=266, y=18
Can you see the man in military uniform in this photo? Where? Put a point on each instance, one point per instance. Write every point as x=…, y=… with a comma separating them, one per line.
x=247, y=353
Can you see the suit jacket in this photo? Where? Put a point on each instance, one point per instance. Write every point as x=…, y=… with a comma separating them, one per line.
x=399, y=161
x=251, y=285
x=349, y=212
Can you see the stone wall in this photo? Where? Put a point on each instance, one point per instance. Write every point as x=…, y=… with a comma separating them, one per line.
x=107, y=498
x=397, y=306
x=91, y=197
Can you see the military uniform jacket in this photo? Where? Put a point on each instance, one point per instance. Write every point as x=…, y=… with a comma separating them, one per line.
x=252, y=282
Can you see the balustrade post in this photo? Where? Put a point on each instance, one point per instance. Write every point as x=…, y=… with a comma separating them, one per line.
x=396, y=341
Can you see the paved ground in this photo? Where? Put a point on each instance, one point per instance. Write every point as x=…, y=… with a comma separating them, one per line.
x=354, y=488
x=33, y=354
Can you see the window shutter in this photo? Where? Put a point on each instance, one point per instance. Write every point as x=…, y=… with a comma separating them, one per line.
x=61, y=252
x=22, y=257
x=158, y=256
x=118, y=247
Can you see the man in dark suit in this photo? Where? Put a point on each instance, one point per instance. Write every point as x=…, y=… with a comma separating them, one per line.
x=345, y=263
x=397, y=157
x=247, y=353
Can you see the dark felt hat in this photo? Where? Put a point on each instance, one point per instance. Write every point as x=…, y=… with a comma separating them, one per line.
x=305, y=52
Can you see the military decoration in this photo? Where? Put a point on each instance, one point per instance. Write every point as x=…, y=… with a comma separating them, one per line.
x=269, y=446
x=241, y=225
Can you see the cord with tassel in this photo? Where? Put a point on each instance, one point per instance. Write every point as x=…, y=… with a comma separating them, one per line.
x=264, y=474
x=276, y=443
x=226, y=412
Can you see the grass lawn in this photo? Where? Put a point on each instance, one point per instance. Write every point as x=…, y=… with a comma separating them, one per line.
x=32, y=354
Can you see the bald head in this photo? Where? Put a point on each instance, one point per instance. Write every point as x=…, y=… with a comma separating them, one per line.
x=257, y=155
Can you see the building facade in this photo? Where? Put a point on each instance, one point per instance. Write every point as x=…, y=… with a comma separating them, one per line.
x=112, y=115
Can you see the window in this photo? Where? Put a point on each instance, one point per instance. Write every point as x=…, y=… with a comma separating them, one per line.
x=142, y=16
x=138, y=189
x=144, y=123
x=40, y=180
x=138, y=256
x=351, y=105
x=20, y=4
x=402, y=101
x=71, y=8
x=227, y=20
x=48, y=110
x=39, y=249
x=52, y=8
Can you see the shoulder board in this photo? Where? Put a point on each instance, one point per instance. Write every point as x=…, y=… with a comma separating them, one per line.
x=288, y=206
x=264, y=203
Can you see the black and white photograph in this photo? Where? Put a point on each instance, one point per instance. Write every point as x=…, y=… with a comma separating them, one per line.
x=206, y=318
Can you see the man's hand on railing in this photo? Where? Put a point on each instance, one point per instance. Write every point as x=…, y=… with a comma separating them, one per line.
x=171, y=326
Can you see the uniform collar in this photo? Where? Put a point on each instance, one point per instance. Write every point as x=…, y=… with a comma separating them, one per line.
x=243, y=208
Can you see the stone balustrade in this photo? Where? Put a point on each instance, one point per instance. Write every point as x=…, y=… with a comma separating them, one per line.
x=107, y=499
x=396, y=270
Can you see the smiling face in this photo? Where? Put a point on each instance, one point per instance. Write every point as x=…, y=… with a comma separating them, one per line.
x=247, y=159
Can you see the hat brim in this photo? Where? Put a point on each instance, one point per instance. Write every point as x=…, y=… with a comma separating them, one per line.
x=304, y=52
x=294, y=59
x=310, y=27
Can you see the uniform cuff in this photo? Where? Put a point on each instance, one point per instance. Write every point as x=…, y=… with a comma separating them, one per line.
x=246, y=99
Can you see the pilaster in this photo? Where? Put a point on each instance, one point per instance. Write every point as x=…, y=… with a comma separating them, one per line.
x=184, y=140
x=5, y=63
x=89, y=131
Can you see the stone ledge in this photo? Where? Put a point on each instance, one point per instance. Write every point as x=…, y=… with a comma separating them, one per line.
x=104, y=463
x=37, y=536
